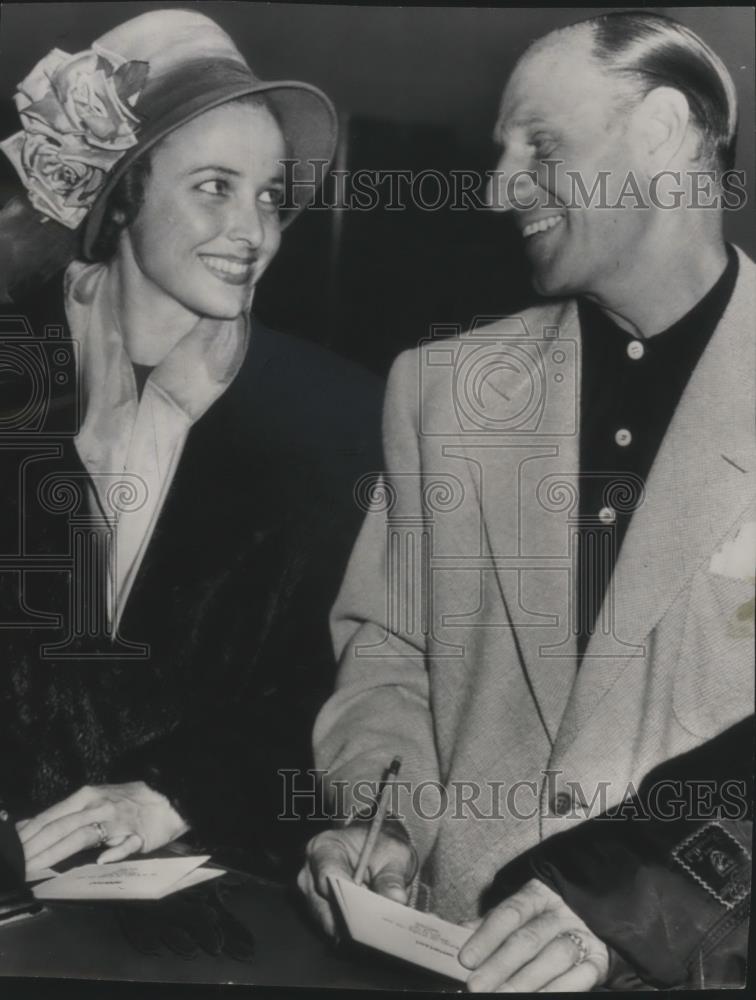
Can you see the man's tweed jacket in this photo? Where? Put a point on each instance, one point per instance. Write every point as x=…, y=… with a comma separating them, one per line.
x=452, y=624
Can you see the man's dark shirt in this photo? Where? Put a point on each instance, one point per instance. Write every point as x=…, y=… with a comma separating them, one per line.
x=630, y=391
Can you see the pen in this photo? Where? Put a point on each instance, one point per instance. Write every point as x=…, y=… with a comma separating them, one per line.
x=377, y=821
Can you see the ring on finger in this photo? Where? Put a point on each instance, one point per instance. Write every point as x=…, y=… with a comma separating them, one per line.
x=102, y=833
x=577, y=940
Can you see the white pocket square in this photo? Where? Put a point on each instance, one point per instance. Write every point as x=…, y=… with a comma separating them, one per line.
x=736, y=559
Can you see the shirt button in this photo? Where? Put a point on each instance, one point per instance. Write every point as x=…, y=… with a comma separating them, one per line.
x=607, y=515
x=635, y=350
x=623, y=437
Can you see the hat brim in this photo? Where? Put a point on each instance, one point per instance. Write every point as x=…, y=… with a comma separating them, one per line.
x=307, y=119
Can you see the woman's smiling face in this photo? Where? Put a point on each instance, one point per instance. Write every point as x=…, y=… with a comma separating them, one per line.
x=209, y=226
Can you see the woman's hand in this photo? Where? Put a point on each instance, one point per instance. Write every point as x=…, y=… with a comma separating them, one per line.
x=533, y=942
x=127, y=818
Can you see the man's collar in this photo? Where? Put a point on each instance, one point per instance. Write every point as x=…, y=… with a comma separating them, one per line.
x=703, y=316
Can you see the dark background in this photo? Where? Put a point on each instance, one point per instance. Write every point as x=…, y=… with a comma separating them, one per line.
x=417, y=88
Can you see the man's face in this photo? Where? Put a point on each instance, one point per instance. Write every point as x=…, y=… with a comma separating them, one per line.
x=559, y=105
x=209, y=224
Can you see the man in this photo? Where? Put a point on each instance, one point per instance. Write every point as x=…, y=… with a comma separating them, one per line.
x=581, y=481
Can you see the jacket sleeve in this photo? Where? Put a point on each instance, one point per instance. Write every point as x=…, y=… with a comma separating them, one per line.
x=223, y=770
x=381, y=704
x=664, y=879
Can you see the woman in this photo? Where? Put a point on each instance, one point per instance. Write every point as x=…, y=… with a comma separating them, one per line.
x=185, y=494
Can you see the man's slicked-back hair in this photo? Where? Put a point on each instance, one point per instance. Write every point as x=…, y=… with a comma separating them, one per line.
x=652, y=50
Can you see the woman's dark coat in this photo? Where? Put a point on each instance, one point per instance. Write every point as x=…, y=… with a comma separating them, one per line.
x=231, y=600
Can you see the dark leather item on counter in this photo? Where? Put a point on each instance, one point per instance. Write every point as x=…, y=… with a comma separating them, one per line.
x=664, y=879
x=187, y=924
x=15, y=898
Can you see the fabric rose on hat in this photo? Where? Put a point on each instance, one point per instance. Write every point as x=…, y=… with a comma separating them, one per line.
x=78, y=118
x=62, y=183
x=90, y=94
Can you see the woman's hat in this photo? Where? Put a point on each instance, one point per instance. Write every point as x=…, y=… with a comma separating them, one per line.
x=88, y=117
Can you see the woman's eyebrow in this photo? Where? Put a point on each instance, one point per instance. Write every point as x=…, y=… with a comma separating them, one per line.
x=217, y=167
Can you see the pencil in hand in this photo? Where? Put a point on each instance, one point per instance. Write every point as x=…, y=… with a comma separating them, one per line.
x=377, y=821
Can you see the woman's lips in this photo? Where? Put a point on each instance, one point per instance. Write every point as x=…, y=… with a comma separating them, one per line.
x=232, y=270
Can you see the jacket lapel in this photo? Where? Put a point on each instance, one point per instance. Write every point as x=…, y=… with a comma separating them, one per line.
x=222, y=468
x=700, y=483
x=528, y=489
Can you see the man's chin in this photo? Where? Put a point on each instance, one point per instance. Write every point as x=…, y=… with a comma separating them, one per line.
x=549, y=283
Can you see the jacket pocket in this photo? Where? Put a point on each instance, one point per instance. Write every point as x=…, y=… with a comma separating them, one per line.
x=714, y=676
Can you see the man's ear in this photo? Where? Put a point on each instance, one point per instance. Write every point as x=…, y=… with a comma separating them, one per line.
x=662, y=126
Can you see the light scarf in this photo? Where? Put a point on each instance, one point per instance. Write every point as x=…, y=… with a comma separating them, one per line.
x=130, y=446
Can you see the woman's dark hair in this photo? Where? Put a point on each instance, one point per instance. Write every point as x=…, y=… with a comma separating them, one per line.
x=652, y=50
x=122, y=208
x=127, y=197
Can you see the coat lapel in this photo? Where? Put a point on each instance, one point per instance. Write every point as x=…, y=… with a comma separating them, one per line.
x=222, y=468
x=528, y=489
x=699, y=485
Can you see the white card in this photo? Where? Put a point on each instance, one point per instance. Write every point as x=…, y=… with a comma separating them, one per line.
x=151, y=878
x=41, y=873
x=196, y=877
x=421, y=938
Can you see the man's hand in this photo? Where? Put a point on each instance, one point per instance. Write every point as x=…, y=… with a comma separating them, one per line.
x=391, y=868
x=127, y=818
x=533, y=942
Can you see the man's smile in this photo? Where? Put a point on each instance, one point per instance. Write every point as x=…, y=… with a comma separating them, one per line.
x=541, y=225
